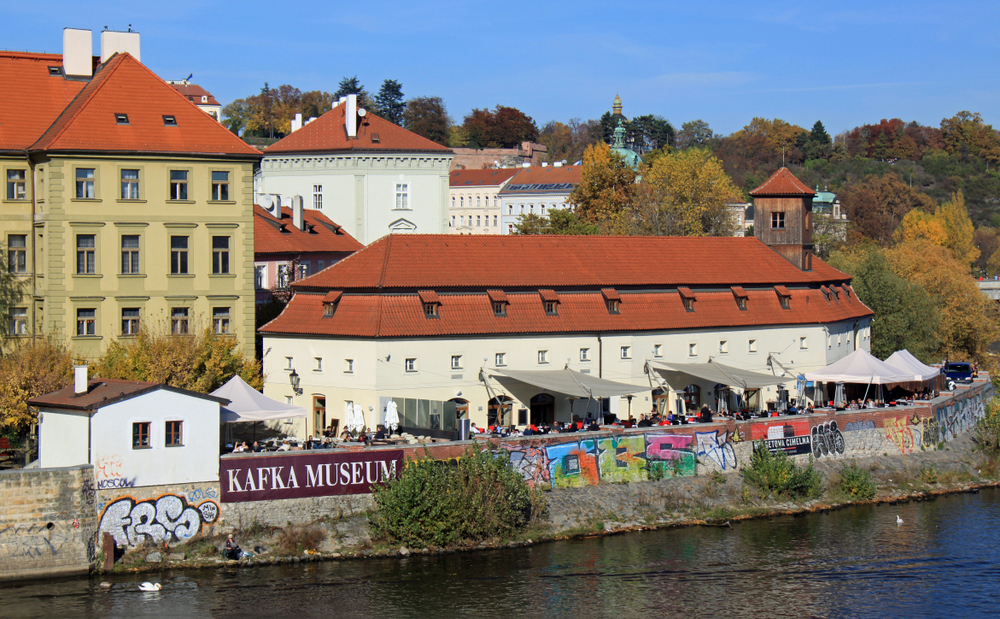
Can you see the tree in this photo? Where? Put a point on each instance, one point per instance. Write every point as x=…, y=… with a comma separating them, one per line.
x=966, y=135
x=566, y=142
x=235, y=115
x=920, y=225
x=504, y=127
x=954, y=218
x=389, y=102
x=694, y=133
x=351, y=86
x=605, y=193
x=427, y=117
x=32, y=368
x=987, y=242
x=647, y=133
x=877, y=205
x=818, y=144
x=559, y=221
x=686, y=193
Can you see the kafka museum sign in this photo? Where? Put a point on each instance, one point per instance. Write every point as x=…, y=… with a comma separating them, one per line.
x=299, y=476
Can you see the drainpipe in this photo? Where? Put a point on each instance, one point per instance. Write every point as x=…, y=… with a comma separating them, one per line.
x=31, y=247
x=600, y=356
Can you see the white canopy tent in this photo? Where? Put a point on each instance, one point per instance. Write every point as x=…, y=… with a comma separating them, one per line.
x=567, y=381
x=676, y=374
x=248, y=404
x=904, y=360
x=860, y=367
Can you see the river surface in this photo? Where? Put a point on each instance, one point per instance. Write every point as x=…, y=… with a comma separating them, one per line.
x=857, y=562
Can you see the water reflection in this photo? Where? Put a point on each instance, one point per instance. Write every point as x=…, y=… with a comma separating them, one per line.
x=853, y=562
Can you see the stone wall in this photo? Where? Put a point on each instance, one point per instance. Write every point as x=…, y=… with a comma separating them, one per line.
x=156, y=514
x=47, y=522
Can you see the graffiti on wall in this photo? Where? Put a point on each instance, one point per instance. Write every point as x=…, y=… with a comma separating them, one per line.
x=168, y=518
x=670, y=455
x=573, y=464
x=110, y=474
x=531, y=463
x=827, y=440
x=718, y=448
x=32, y=541
x=960, y=416
x=621, y=459
x=791, y=437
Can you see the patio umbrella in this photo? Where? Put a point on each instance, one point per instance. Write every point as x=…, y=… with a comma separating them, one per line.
x=391, y=416
x=839, y=399
x=800, y=391
x=359, y=418
x=349, y=416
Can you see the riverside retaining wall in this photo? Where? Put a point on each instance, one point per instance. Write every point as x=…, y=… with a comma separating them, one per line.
x=48, y=519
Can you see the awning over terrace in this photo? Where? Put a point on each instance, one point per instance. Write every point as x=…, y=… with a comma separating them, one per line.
x=904, y=360
x=567, y=381
x=248, y=404
x=860, y=367
x=677, y=374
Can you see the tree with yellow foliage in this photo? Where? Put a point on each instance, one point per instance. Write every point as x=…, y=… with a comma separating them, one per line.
x=920, y=225
x=954, y=218
x=31, y=368
x=604, y=196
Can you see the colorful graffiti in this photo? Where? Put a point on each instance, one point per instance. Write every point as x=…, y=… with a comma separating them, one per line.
x=109, y=473
x=717, y=448
x=670, y=455
x=164, y=519
x=531, y=463
x=827, y=440
x=960, y=416
x=573, y=464
x=622, y=459
x=792, y=437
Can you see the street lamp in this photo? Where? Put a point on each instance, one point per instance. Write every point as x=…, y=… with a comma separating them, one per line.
x=295, y=380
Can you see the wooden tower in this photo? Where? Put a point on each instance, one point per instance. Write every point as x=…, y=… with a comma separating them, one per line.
x=783, y=217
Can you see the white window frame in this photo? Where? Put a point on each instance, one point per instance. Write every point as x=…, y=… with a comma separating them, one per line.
x=319, y=364
x=626, y=352
x=584, y=355
x=500, y=359
x=657, y=350
x=456, y=362
x=402, y=202
x=543, y=357
x=752, y=346
x=318, y=197
x=348, y=366
x=723, y=347
x=803, y=342
x=693, y=349
x=410, y=364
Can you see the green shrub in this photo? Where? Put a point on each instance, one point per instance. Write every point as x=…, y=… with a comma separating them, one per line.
x=988, y=431
x=857, y=482
x=776, y=474
x=433, y=503
x=928, y=473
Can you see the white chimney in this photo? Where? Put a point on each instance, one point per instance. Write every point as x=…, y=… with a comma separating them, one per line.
x=557, y=164
x=296, y=123
x=526, y=165
x=113, y=42
x=298, y=216
x=351, y=116
x=79, y=379
x=78, y=52
x=545, y=165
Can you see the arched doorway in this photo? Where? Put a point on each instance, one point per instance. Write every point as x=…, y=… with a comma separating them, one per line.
x=543, y=409
x=498, y=411
x=461, y=408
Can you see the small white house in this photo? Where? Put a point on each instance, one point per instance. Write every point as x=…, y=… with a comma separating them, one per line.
x=134, y=433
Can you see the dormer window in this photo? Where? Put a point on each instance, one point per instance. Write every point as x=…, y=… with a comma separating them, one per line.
x=499, y=308
x=169, y=120
x=741, y=297
x=550, y=302
x=376, y=138
x=330, y=302
x=687, y=297
x=826, y=293
x=612, y=300
x=431, y=303
x=431, y=310
x=121, y=119
x=499, y=301
x=784, y=297
x=551, y=308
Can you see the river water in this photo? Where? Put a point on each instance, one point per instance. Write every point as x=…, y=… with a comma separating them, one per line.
x=856, y=562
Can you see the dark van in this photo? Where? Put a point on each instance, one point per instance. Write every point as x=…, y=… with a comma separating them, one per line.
x=958, y=371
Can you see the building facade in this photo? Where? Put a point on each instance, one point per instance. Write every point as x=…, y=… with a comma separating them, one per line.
x=362, y=171
x=536, y=191
x=125, y=205
x=475, y=200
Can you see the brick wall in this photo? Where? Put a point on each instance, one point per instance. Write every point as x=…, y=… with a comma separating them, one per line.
x=47, y=522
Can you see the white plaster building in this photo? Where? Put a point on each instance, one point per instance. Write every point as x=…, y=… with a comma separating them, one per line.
x=362, y=171
x=134, y=433
x=475, y=201
x=536, y=190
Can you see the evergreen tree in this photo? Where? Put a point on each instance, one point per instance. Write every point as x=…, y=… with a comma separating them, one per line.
x=389, y=102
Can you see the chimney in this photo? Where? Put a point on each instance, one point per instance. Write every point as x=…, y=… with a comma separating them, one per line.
x=80, y=379
x=297, y=123
x=113, y=42
x=351, y=116
x=298, y=216
x=78, y=52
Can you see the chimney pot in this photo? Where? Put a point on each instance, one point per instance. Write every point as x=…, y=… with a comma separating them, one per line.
x=351, y=116
x=80, y=379
x=78, y=52
x=298, y=213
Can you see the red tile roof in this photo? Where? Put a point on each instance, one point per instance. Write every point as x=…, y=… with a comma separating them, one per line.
x=272, y=235
x=782, y=183
x=374, y=315
x=481, y=178
x=480, y=262
x=104, y=391
x=32, y=97
x=123, y=85
x=327, y=134
x=194, y=93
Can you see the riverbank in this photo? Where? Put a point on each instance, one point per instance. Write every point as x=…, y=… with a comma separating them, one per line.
x=604, y=509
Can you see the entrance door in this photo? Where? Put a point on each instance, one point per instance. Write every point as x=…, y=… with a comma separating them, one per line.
x=543, y=409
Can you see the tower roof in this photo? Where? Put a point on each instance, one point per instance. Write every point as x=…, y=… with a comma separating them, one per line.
x=782, y=183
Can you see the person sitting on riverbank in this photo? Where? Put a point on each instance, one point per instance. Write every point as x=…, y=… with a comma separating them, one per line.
x=256, y=447
x=285, y=446
x=232, y=550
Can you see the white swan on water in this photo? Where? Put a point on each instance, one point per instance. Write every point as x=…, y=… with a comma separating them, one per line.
x=899, y=520
x=148, y=586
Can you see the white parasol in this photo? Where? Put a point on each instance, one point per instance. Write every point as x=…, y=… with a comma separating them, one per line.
x=839, y=399
x=391, y=416
x=359, y=418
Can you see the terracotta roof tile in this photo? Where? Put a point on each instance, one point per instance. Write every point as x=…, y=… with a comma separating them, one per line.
x=327, y=134
x=782, y=291
x=782, y=183
x=32, y=97
x=497, y=296
x=549, y=295
x=685, y=292
x=123, y=85
x=480, y=178
x=611, y=294
x=194, y=93
x=104, y=391
x=739, y=291
x=428, y=296
x=333, y=296
x=413, y=261
x=272, y=235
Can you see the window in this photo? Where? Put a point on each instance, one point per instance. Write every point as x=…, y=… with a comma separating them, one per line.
x=130, y=184
x=456, y=362
x=626, y=352
x=803, y=342
x=657, y=350
x=688, y=304
x=85, y=257
x=288, y=363
x=130, y=254
x=260, y=276
x=723, y=347
x=140, y=435
x=130, y=321
x=220, y=320
x=17, y=321
x=220, y=186
x=410, y=365
x=17, y=253
x=86, y=322
x=179, y=320
x=178, y=255
x=402, y=195
x=543, y=356
x=178, y=185
x=284, y=275
x=584, y=354
x=461, y=202
x=477, y=220
x=461, y=220
x=510, y=209
x=452, y=221
x=169, y=120
x=692, y=350
x=494, y=220
x=741, y=303
x=319, y=412
x=777, y=221
x=551, y=308
x=174, y=435
x=303, y=270
x=348, y=366
x=752, y=346
x=477, y=205
x=329, y=309
x=614, y=306
x=500, y=359
x=499, y=308
x=319, y=364
x=431, y=310
x=220, y=255
x=121, y=119
x=785, y=301
x=85, y=183
x=318, y=197
x=16, y=184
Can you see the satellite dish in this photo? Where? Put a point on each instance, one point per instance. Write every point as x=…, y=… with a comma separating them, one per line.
x=265, y=202
x=362, y=111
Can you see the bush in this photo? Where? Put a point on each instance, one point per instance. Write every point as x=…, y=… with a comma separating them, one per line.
x=857, y=482
x=776, y=474
x=988, y=431
x=433, y=503
x=295, y=539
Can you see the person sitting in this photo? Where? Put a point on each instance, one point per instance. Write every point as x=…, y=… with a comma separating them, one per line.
x=231, y=550
x=645, y=422
x=285, y=446
x=256, y=447
x=346, y=435
x=594, y=426
x=379, y=434
x=705, y=416
x=363, y=437
x=671, y=418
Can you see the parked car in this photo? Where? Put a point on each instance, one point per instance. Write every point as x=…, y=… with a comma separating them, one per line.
x=958, y=371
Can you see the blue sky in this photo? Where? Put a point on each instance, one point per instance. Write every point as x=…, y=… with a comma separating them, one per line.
x=845, y=63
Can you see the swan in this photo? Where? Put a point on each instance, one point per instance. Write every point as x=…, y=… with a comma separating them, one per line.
x=148, y=586
x=899, y=520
